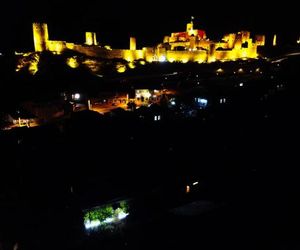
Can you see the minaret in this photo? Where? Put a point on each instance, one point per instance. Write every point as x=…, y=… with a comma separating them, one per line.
x=40, y=36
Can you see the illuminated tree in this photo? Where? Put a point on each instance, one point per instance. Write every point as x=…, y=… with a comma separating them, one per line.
x=124, y=206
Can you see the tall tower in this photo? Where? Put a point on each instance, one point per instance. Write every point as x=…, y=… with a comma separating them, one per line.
x=95, y=38
x=89, y=38
x=274, y=40
x=132, y=43
x=40, y=36
x=190, y=25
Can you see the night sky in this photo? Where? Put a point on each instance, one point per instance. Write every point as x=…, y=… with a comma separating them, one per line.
x=115, y=21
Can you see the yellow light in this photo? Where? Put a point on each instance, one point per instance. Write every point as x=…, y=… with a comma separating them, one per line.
x=107, y=47
x=220, y=70
x=142, y=62
x=33, y=67
x=143, y=93
x=121, y=68
x=70, y=46
x=29, y=61
x=72, y=62
x=162, y=59
x=93, y=65
x=187, y=189
x=240, y=70
x=131, y=65
x=274, y=40
x=19, y=53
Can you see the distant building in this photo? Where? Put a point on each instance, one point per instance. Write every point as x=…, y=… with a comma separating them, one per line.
x=20, y=118
x=190, y=45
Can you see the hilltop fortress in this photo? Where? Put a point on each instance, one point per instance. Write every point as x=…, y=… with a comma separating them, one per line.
x=191, y=45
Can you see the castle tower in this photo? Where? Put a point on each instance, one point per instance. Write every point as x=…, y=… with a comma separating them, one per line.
x=95, y=38
x=274, y=40
x=238, y=41
x=132, y=43
x=40, y=36
x=231, y=40
x=189, y=27
x=166, y=39
x=89, y=38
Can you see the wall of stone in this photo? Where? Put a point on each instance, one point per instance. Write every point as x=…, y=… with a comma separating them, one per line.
x=236, y=53
x=56, y=46
x=185, y=56
x=95, y=51
x=149, y=54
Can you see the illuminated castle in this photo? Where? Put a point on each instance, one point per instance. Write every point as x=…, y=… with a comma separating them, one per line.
x=191, y=45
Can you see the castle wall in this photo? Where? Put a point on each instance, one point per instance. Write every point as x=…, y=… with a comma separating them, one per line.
x=233, y=46
x=185, y=56
x=149, y=54
x=56, y=46
x=260, y=40
x=236, y=53
x=131, y=55
x=93, y=51
x=70, y=46
x=40, y=36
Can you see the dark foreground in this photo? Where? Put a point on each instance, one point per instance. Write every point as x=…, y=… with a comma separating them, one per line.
x=244, y=157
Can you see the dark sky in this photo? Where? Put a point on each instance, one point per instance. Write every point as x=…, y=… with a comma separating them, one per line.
x=149, y=21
